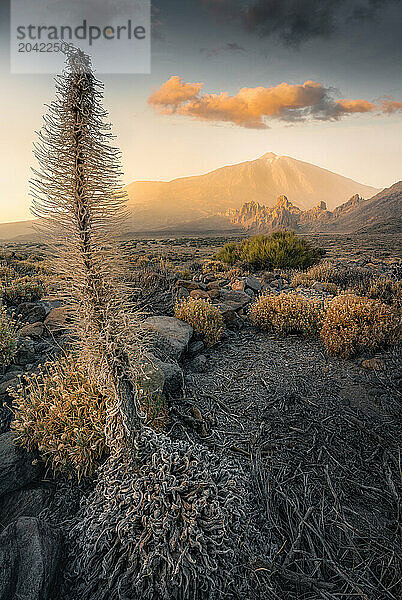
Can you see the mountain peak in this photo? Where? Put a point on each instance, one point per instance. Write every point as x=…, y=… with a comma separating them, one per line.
x=269, y=156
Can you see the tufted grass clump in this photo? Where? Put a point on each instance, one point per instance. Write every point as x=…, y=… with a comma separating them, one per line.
x=280, y=250
x=61, y=412
x=343, y=277
x=385, y=289
x=203, y=316
x=214, y=266
x=287, y=313
x=22, y=289
x=8, y=338
x=354, y=324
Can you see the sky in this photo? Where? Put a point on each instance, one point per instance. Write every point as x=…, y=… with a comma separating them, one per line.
x=317, y=80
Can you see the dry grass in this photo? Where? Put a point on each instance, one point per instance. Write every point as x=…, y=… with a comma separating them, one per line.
x=287, y=313
x=354, y=324
x=22, y=289
x=202, y=316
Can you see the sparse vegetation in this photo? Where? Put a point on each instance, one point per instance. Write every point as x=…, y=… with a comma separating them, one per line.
x=343, y=277
x=287, y=313
x=281, y=250
x=8, y=338
x=22, y=289
x=203, y=316
x=354, y=324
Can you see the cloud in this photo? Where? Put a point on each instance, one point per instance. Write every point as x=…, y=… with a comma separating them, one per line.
x=390, y=106
x=296, y=21
x=229, y=47
x=255, y=107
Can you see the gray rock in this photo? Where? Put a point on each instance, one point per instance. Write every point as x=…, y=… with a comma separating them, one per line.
x=318, y=286
x=173, y=376
x=24, y=503
x=16, y=465
x=172, y=335
x=199, y=364
x=31, y=312
x=239, y=297
x=253, y=283
x=250, y=292
x=196, y=347
x=182, y=292
x=29, y=558
x=26, y=351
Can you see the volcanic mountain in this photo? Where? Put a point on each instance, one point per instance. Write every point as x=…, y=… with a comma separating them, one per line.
x=157, y=204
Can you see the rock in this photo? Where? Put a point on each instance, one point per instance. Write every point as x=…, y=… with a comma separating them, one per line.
x=214, y=293
x=34, y=330
x=173, y=376
x=199, y=364
x=25, y=503
x=17, y=467
x=57, y=319
x=182, y=293
x=199, y=294
x=253, y=283
x=249, y=292
x=373, y=363
x=31, y=312
x=318, y=286
x=9, y=383
x=239, y=285
x=29, y=558
x=267, y=277
x=172, y=335
x=228, y=310
x=152, y=378
x=196, y=347
x=239, y=297
x=189, y=285
x=213, y=285
x=26, y=351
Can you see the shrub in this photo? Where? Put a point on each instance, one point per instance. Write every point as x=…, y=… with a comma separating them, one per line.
x=62, y=412
x=23, y=289
x=8, y=338
x=341, y=276
x=229, y=254
x=203, y=316
x=381, y=288
x=287, y=313
x=214, y=266
x=281, y=250
x=353, y=324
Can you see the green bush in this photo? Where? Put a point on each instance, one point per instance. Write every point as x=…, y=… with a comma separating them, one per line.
x=355, y=324
x=287, y=313
x=202, y=316
x=281, y=250
x=8, y=338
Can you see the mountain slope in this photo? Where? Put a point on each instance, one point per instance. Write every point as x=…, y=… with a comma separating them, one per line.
x=159, y=204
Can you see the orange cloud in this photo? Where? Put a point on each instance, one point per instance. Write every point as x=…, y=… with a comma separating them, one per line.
x=390, y=106
x=252, y=107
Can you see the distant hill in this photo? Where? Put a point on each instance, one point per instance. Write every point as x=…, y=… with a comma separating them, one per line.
x=155, y=204
x=22, y=231
x=380, y=213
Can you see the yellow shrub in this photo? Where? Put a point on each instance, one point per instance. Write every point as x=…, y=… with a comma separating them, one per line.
x=287, y=313
x=353, y=324
x=202, y=316
x=8, y=338
x=214, y=266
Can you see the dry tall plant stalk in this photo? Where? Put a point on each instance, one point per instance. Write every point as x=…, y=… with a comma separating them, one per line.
x=79, y=199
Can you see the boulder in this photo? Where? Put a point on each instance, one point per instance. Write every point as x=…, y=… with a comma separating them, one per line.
x=173, y=376
x=26, y=351
x=29, y=556
x=31, y=312
x=34, y=330
x=228, y=310
x=189, y=285
x=171, y=335
x=213, y=285
x=199, y=294
x=238, y=297
x=253, y=283
x=196, y=347
x=199, y=364
x=24, y=503
x=17, y=467
x=239, y=285
x=214, y=293
x=318, y=286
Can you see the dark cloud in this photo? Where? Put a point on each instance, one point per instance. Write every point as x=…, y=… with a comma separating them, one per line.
x=229, y=47
x=296, y=21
